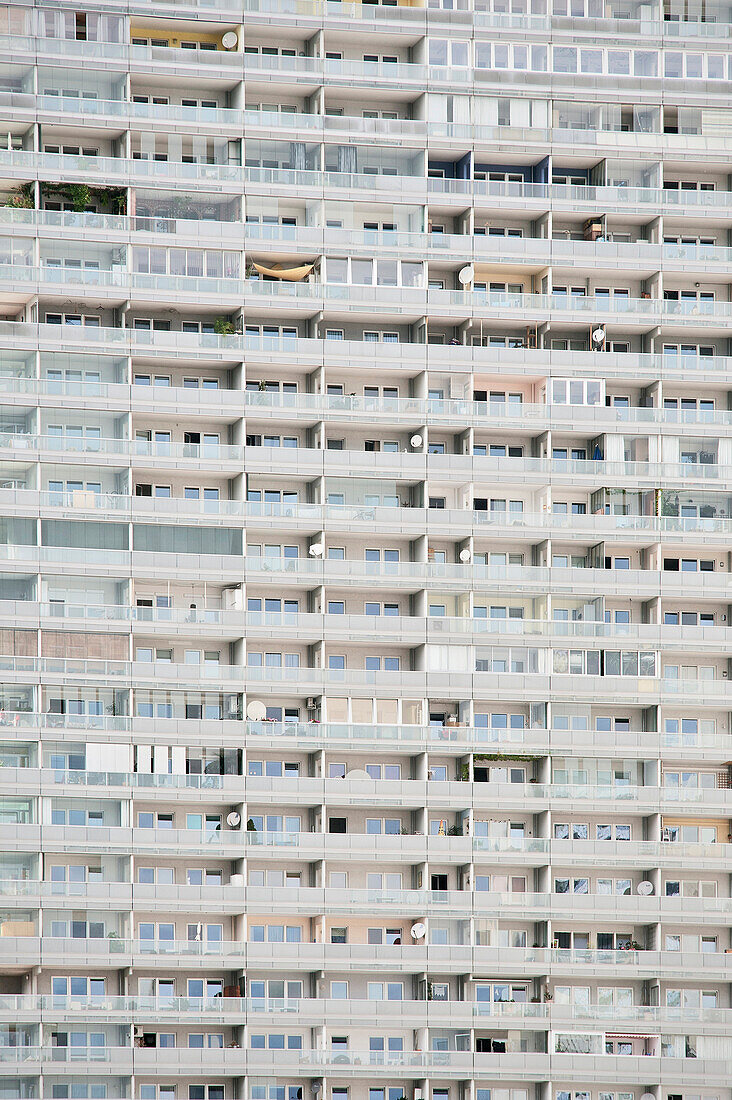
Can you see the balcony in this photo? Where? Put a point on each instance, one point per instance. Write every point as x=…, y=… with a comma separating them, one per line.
x=410, y=905
x=377, y=849
x=686, y=258
x=447, y=796
x=414, y=960
x=361, y=1064
x=240, y=1010
x=313, y=352
x=24, y=164
x=409, y=304
x=451, y=740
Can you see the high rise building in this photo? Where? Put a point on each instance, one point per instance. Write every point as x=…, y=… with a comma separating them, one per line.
x=396, y=766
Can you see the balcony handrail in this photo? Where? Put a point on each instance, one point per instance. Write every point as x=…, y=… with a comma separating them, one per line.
x=659, y=634
x=417, y=410
x=126, y=170
x=461, y=355
x=425, y=789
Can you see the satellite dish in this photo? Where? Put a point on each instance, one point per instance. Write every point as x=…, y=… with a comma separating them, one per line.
x=233, y=820
x=357, y=773
x=229, y=40
x=316, y=550
x=256, y=711
x=418, y=931
x=416, y=441
x=648, y=1096
x=465, y=554
x=316, y=1087
x=466, y=274
x=645, y=888
x=598, y=335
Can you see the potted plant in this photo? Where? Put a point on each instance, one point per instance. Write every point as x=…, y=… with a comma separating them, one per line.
x=22, y=199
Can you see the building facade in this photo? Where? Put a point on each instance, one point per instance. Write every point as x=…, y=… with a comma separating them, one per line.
x=395, y=767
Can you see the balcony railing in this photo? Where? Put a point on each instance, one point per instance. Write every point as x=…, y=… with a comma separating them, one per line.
x=483, y=360
x=555, y=251
x=451, y=738
x=408, y=627
x=415, y=905
x=239, y=1008
x=107, y=839
x=122, y=171
x=413, y=792
x=407, y=301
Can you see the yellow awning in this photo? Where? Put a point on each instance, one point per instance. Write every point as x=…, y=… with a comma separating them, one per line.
x=291, y=274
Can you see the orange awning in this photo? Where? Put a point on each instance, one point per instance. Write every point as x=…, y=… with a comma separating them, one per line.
x=290, y=274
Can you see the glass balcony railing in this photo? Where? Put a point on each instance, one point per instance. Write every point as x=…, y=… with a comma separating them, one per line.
x=354, y=1009
x=132, y=341
x=552, y=252
x=453, y=738
x=413, y=412
x=120, y=171
x=645, y=799
x=536, y=307
x=409, y=469
x=305, y=1062
x=106, y=839
x=406, y=626
x=330, y=956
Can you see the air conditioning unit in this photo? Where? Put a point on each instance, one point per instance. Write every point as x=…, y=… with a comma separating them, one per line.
x=311, y=705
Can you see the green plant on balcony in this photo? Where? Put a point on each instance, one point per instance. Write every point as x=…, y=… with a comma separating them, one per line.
x=506, y=756
x=22, y=199
x=80, y=196
x=115, y=197
x=224, y=327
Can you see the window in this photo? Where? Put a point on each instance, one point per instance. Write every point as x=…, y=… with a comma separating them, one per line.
x=385, y=991
x=77, y=987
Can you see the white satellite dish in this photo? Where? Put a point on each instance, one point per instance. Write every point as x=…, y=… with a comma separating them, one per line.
x=465, y=554
x=418, y=931
x=645, y=888
x=316, y=550
x=256, y=711
x=466, y=274
x=229, y=40
x=416, y=441
x=598, y=335
x=358, y=773
x=233, y=820
x=648, y=1096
